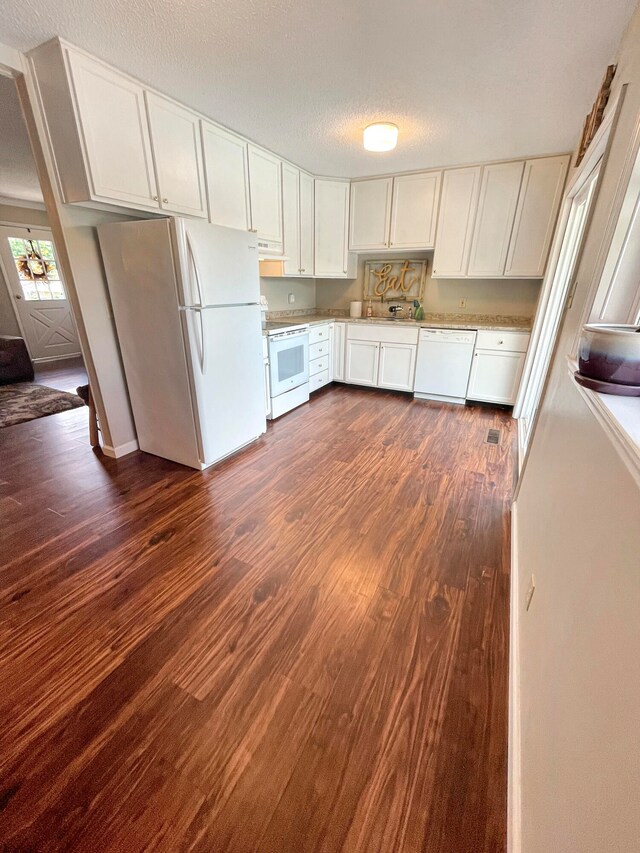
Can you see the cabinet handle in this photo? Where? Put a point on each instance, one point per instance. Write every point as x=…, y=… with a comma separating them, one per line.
x=165, y=201
x=303, y=270
x=155, y=198
x=500, y=343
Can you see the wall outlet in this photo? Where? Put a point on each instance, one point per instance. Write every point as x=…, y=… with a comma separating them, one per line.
x=292, y=298
x=530, y=590
x=462, y=303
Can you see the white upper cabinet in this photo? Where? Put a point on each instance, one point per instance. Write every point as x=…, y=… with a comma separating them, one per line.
x=536, y=214
x=455, y=221
x=414, y=210
x=370, y=214
x=494, y=219
x=227, y=175
x=111, y=113
x=177, y=154
x=291, y=219
x=265, y=189
x=306, y=224
x=331, y=256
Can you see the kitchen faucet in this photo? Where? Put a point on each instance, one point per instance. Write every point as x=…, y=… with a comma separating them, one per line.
x=394, y=309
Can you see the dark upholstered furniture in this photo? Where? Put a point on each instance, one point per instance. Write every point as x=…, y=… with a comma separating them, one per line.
x=15, y=364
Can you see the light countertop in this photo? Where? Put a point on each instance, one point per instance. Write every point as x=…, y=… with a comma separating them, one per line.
x=431, y=321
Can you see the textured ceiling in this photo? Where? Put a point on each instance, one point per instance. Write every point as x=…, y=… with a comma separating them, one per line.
x=465, y=80
x=18, y=178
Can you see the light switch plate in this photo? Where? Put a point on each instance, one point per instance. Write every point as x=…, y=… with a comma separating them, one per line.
x=292, y=298
x=531, y=589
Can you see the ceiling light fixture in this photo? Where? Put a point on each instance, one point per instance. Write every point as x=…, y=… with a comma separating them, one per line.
x=382, y=136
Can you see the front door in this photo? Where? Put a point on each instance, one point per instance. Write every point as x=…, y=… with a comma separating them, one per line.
x=35, y=283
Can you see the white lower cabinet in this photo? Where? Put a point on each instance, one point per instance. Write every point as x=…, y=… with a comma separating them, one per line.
x=362, y=362
x=495, y=376
x=397, y=366
x=381, y=356
x=320, y=356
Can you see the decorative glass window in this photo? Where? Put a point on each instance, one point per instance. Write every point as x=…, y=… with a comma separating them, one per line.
x=37, y=269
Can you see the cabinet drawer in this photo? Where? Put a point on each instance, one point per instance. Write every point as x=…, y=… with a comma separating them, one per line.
x=318, y=381
x=318, y=333
x=510, y=341
x=318, y=365
x=384, y=332
x=318, y=350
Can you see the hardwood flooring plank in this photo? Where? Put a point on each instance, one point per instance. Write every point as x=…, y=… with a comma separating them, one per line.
x=303, y=648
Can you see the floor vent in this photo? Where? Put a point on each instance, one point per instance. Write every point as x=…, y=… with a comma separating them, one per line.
x=493, y=437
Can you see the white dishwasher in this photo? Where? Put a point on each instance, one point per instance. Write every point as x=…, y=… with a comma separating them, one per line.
x=444, y=364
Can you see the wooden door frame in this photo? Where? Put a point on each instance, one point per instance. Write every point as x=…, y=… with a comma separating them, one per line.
x=5, y=224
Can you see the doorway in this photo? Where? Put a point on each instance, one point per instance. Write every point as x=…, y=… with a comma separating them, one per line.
x=36, y=287
x=579, y=205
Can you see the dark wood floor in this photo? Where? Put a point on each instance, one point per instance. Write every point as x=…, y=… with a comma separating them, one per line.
x=65, y=375
x=303, y=649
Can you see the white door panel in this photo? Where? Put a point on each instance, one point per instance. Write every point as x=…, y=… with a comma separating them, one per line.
x=224, y=346
x=370, y=213
x=415, y=210
x=455, y=221
x=397, y=366
x=177, y=151
x=115, y=132
x=36, y=287
x=227, y=172
x=362, y=362
x=219, y=266
x=495, y=376
x=494, y=220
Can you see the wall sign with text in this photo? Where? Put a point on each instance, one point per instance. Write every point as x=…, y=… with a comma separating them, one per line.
x=394, y=281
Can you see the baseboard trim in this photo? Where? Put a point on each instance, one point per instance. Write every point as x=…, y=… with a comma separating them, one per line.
x=55, y=358
x=120, y=450
x=514, y=795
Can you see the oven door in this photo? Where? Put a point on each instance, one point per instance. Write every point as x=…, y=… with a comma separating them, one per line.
x=288, y=362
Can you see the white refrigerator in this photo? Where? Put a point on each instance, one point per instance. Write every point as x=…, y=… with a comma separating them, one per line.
x=186, y=304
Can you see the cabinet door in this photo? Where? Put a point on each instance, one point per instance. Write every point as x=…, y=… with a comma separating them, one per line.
x=227, y=177
x=414, y=210
x=536, y=214
x=495, y=376
x=265, y=188
x=115, y=130
x=455, y=221
x=331, y=224
x=291, y=219
x=362, y=362
x=338, y=350
x=370, y=214
x=177, y=153
x=494, y=220
x=306, y=224
x=397, y=366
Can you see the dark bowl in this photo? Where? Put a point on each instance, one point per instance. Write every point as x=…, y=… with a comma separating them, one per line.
x=610, y=353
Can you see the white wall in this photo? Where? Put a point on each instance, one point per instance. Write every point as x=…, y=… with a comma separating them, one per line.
x=9, y=215
x=277, y=289
x=484, y=296
x=578, y=522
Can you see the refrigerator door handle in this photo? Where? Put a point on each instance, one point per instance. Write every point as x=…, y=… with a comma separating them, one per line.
x=194, y=265
x=203, y=357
